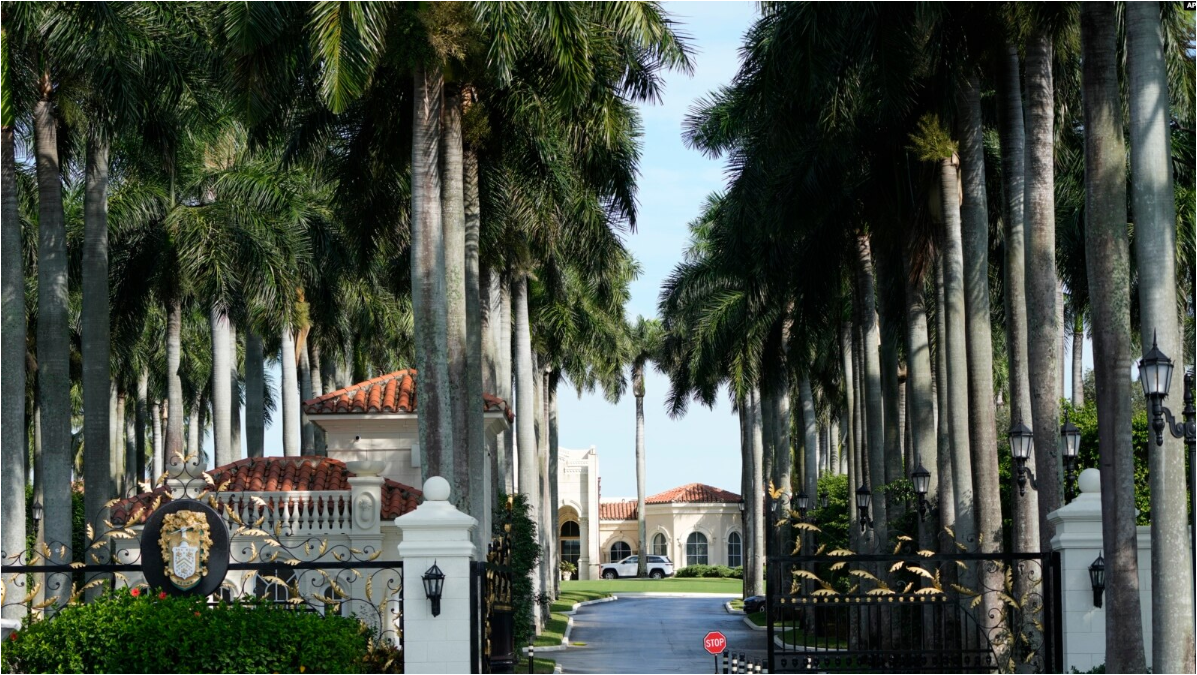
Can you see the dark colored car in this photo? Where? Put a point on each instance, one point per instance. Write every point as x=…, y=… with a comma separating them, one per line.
x=754, y=604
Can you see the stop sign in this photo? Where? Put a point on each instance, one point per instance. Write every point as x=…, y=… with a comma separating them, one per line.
x=714, y=642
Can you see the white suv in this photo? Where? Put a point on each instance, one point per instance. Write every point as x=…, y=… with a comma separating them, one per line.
x=659, y=567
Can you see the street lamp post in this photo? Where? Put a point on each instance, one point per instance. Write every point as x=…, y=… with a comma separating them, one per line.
x=1155, y=374
x=1072, y=445
x=921, y=478
x=1022, y=439
x=864, y=498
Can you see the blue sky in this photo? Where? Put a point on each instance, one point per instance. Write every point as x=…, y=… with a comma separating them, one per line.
x=703, y=446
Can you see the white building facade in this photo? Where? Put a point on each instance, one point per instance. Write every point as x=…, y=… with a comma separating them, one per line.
x=692, y=524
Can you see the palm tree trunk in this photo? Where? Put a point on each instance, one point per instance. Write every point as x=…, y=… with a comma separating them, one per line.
x=870, y=340
x=979, y=342
x=957, y=361
x=174, y=388
x=476, y=444
x=235, y=452
x=756, y=585
x=489, y=327
x=13, y=442
x=135, y=472
x=744, y=416
x=142, y=419
x=943, y=435
x=289, y=395
x=1042, y=283
x=121, y=455
x=891, y=405
x=222, y=408
x=1107, y=260
x=783, y=454
x=641, y=527
x=255, y=388
x=921, y=420
x=53, y=348
x=1078, y=365
x=428, y=280
x=304, y=376
x=1013, y=148
x=810, y=439
x=504, y=389
x=97, y=379
x=554, y=492
x=850, y=421
x=115, y=461
x=156, y=439
x=1155, y=249
x=525, y=417
x=317, y=390
x=465, y=469
x=195, y=433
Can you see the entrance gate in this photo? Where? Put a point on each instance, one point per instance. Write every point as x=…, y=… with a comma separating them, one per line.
x=913, y=611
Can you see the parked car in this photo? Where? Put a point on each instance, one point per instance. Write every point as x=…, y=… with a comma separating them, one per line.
x=754, y=604
x=659, y=567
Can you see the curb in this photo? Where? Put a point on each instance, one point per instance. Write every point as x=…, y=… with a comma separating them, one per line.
x=584, y=603
x=727, y=606
x=748, y=622
x=714, y=596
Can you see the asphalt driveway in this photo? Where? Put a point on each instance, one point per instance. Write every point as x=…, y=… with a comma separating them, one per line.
x=654, y=635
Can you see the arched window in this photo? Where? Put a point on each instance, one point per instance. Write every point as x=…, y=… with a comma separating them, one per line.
x=660, y=545
x=571, y=544
x=696, y=549
x=735, y=551
x=619, y=551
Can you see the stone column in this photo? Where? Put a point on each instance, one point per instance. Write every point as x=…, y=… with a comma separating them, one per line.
x=1078, y=538
x=436, y=533
x=584, y=549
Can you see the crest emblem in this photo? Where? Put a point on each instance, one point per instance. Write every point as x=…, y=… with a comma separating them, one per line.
x=185, y=542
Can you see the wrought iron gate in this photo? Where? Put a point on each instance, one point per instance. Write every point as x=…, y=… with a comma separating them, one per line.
x=839, y=611
x=492, y=620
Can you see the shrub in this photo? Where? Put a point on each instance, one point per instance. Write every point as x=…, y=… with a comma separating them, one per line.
x=693, y=571
x=711, y=572
x=153, y=633
x=524, y=554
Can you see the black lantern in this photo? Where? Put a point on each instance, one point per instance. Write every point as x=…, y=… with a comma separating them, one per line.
x=38, y=512
x=1097, y=577
x=1021, y=441
x=803, y=503
x=434, y=583
x=823, y=499
x=1072, y=445
x=921, y=478
x=1155, y=372
x=864, y=498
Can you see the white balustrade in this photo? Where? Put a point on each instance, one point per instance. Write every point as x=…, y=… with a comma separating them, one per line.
x=291, y=513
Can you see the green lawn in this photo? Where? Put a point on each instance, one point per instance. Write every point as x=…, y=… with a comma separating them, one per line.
x=757, y=617
x=737, y=604
x=674, y=585
x=554, y=631
x=539, y=665
x=570, y=597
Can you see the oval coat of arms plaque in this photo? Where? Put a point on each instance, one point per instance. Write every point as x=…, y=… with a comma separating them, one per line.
x=185, y=548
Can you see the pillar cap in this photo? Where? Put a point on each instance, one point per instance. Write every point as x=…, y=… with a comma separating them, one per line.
x=436, y=489
x=1090, y=481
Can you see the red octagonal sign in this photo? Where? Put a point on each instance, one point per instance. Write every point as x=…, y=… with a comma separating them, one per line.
x=714, y=642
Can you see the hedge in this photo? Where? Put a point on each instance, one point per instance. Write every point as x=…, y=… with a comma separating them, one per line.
x=711, y=572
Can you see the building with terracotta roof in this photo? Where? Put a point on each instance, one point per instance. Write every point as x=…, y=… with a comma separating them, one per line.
x=691, y=524
x=346, y=501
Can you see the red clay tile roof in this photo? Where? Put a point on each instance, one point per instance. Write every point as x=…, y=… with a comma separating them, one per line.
x=625, y=510
x=391, y=393
x=695, y=493
x=273, y=474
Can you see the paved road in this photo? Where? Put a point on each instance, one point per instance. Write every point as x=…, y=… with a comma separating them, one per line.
x=654, y=635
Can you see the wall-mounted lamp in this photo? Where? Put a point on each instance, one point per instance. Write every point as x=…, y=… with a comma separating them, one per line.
x=37, y=513
x=1072, y=446
x=1021, y=441
x=434, y=583
x=1097, y=577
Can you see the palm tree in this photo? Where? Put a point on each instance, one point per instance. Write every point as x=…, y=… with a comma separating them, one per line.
x=975, y=239
x=1153, y=203
x=12, y=313
x=1041, y=280
x=935, y=145
x=1107, y=255
x=645, y=341
x=1013, y=153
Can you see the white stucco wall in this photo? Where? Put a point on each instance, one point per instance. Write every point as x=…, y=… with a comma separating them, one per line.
x=677, y=521
x=1078, y=538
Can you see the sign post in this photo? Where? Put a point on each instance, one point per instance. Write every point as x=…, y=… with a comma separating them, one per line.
x=715, y=643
